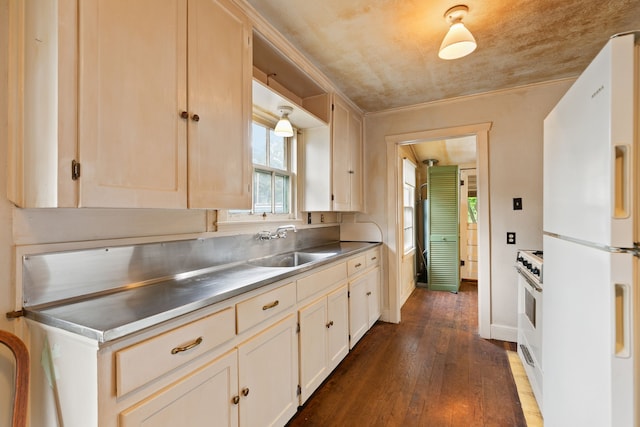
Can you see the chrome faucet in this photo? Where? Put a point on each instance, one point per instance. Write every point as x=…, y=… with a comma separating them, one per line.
x=280, y=233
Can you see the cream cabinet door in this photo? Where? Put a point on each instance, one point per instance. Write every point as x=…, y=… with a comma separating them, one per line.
x=373, y=296
x=338, y=331
x=220, y=105
x=132, y=87
x=347, y=157
x=313, y=347
x=268, y=375
x=204, y=398
x=358, y=309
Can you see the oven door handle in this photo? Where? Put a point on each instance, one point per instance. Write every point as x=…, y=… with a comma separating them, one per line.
x=531, y=283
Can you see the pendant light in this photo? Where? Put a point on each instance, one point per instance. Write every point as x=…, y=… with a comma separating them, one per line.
x=459, y=41
x=283, y=127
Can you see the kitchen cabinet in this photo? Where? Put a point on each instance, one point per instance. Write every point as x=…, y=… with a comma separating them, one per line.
x=163, y=108
x=332, y=159
x=268, y=375
x=324, y=339
x=364, y=295
x=209, y=393
x=346, y=134
x=247, y=360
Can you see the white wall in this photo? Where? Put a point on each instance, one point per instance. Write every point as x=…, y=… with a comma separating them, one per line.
x=515, y=170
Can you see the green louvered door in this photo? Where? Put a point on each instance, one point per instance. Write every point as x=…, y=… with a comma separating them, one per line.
x=443, y=254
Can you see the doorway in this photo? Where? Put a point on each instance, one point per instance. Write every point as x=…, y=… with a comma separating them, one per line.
x=394, y=215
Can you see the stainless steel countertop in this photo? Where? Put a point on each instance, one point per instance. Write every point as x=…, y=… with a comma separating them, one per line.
x=114, y=315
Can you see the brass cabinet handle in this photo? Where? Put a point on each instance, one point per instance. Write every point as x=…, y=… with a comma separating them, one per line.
x=330, y=324
x=235, y=400
x=187, y=347
x=245, y=391
x=369, y=293
x=271, y=305
x=195, y=118
x=358, y=265
x=184, y=115
x=374, y=258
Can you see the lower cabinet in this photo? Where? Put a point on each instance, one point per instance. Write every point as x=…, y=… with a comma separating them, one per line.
x=253, y=385
x=268, y=375
x=204, y=396
x=364, y=304
x=324, y=339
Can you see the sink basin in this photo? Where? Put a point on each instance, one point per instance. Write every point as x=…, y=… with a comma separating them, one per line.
x=289, y=259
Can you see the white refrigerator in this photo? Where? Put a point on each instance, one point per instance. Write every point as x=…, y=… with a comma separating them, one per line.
x=590, y=278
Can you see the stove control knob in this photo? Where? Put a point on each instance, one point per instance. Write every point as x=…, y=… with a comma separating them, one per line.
x=536, y=271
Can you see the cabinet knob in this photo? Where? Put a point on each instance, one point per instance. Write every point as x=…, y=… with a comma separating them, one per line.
x=330, y=324
x=369, y=293
x=351, y=171
x=195, y=118
x=184, y=115
x=245, y=391
x=235, y=400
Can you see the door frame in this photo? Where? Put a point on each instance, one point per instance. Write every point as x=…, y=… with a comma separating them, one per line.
x=394, y=215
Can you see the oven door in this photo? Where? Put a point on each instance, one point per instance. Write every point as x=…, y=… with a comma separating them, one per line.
x=530, y=331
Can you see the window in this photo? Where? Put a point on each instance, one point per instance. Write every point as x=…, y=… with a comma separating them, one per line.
x=273, y=175
x=409, y=201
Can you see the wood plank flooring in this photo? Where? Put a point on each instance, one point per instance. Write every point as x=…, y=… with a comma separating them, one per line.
x=430, y=370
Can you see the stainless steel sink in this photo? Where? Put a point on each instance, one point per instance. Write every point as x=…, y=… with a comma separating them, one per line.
x=289, y=259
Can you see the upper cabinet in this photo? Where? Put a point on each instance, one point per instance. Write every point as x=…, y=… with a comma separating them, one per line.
x=162, y=109
x=332, y=158
x=346, y=135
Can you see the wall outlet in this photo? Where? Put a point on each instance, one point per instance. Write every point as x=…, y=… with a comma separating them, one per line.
x=308, y=217
x=517, y=203
x=511, y=238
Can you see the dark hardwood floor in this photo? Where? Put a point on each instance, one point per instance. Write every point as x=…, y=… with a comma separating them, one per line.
x=432, y=369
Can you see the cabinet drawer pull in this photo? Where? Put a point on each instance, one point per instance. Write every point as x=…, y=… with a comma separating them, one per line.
x=245, y=391
x=330, y=324
x=369, y=293
x=195, y=118
x=358, y=265
x=235, y=400
x=373, y=258
x=184, y=115
x=189, y=346
x=271, y=305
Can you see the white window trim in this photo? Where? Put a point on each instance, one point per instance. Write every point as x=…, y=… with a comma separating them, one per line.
x=226, y=216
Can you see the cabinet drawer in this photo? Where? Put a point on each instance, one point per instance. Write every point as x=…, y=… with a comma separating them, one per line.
x=261, y=307
x=316, y=282
x=373, y=257
x=145, y=361
x=356, y=265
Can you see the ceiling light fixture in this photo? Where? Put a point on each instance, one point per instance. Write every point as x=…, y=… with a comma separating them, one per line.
x=283, y=128
x=459, y=41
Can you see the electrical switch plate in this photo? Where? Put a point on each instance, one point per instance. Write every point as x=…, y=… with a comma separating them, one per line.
x=517, y=203
x=511, y=238
x=308, y=217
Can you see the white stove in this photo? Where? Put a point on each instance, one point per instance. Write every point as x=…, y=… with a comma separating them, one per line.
x=530, y=275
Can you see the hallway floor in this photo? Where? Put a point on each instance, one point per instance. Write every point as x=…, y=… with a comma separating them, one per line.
x=430, y=370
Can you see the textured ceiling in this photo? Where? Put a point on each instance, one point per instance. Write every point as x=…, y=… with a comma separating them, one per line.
x=383, y=54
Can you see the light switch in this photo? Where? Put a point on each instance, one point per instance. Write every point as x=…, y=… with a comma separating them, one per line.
x=517, y=203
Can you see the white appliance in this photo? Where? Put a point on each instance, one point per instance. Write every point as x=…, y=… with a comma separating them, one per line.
x=530, y=304
x=590, y=340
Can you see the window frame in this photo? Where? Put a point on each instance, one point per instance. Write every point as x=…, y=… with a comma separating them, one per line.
x=250, y=215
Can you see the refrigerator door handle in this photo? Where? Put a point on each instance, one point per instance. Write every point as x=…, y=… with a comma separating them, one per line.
x=621, y=180
x=622, y=312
